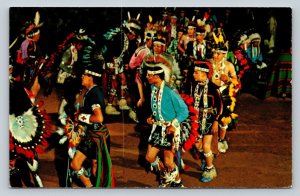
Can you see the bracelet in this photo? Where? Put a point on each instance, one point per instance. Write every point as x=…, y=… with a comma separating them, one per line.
x=85, y=118
x=175, y=123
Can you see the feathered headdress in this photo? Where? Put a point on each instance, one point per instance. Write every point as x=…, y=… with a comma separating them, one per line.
x=219, y=43
x=192, y=23
x=202, y=22
x=81, y=34
x=152, y=61
x=255, y=37
x=149, y=34
x=29, y=29
x=32, y=28
x=133, y=24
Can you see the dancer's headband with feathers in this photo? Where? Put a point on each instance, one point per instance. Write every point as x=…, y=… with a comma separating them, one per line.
x=157, y=64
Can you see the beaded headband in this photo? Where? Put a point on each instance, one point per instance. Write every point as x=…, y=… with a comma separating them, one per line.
x=92, y=73
x=201, y=69
x=155, y=72
x=157, y=41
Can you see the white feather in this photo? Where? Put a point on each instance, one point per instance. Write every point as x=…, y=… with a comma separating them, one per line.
x=34, y=165
x=63, y=140
x=39, y=180
x=138, y=16
x=128, y=13
x=167, y=71
x=12, y=44
x=37, y=18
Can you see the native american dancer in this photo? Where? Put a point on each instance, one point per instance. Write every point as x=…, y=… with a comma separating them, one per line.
x=72, y=66
x=242, y=61
x=160, y=57
x=200, y=45
x=173, y=47
x=94, y=145
x=205, y=109
x=69, y=58
x=224, y=76
x=120, y=45
x=254, y=53
x=186, y=47
x=29, y=55
x=169, y=110
x=136, y=64
x=159, y=49
x=29, y=128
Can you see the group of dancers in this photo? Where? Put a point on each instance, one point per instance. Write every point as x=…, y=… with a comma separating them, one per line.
x=175, y=74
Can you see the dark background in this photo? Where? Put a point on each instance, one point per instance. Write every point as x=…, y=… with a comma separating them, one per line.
x=59, y=22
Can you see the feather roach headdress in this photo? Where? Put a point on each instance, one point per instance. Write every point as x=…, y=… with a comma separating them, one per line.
x=219, y=43
x=133, y=25
x=31, y=28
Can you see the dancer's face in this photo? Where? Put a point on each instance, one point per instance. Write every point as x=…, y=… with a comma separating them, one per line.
x=200, y=37
x=131, y=36
x=199, y=76
x=191, y=31
x=86, y=80
x=179, y=34
x=151, y=78
x=158, y=48
x=218, y=56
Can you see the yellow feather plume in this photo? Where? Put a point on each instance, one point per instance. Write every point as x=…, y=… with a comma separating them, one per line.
x=234, y=116
x=150, y=18
x=231, y=90
x=215, y=38
x=226, y=120
x=232, y=106
x=37, y=18
x=234, y=82
x=221, y=38
x=233, y=99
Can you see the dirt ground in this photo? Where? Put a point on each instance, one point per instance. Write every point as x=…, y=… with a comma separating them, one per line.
x=259, y=155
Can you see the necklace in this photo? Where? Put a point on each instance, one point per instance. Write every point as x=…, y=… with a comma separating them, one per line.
x=197, y=97
x=218, y=70
x=156, y=101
